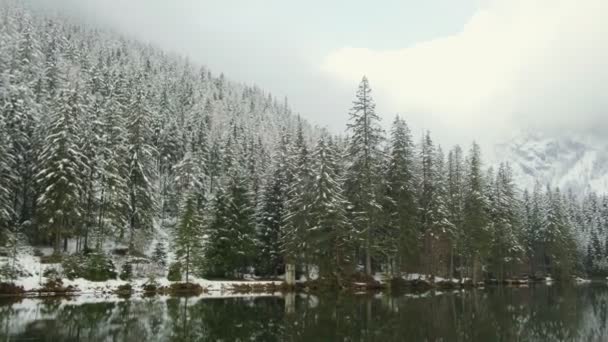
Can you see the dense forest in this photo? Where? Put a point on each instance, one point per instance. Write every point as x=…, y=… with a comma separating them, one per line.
x=105, y=141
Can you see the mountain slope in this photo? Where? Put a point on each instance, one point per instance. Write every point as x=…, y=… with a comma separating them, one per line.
x=570, y=162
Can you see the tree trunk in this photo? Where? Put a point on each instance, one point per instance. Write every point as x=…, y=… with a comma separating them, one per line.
x=290, y=303
x=57, y=239
x=451, y=272
x=187, y=263
x=368, y=256
x=476, y=266
x=290, y=274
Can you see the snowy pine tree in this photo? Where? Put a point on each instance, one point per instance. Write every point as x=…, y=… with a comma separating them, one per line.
x=400, y=236
x=61, y=176
x=475, y=223
x=113, y=199
x=6, y=181
x=231, y=239
x=188, y=234
x=365, y=156
x=296, y=220
x=272, y=211
x=330, y=236
x=141, y=155
x=159, y=255
x=506, y=246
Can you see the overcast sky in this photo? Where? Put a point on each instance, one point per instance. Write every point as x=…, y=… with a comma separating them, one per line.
x=462, y=68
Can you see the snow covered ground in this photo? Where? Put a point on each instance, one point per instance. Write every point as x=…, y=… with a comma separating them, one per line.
x=31, y=265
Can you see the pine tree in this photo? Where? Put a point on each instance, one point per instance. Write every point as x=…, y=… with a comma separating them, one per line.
x=297, y=206
x=159, y=256
x=91, y=142
x=329, y=237
x=61, y=175
x=188, y=234
x=362, y=180
x=455, y=203
x=170, y=152
x=20, y=113
x=506, y=247
x=141, y=155
x=6, y=181
x=442, y=228
x=399, y=239
x=113, y=164
x=272, y=211
x=557, y=238
x=475, y=214
x=231, y=242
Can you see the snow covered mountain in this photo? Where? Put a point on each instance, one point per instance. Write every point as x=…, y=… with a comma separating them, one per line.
x=572, y=162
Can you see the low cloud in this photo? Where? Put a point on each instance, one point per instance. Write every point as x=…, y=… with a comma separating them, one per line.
x=516, y=64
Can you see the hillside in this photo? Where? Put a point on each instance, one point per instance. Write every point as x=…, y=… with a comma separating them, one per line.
x=571, y=162
x=50, y=64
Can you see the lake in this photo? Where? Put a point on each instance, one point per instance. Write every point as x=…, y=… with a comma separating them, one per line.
x=538, y=313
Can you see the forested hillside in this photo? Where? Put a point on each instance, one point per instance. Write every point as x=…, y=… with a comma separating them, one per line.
x=109, y=142
x=94, y=126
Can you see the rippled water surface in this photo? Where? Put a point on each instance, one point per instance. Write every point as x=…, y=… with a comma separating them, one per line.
x=538, y=313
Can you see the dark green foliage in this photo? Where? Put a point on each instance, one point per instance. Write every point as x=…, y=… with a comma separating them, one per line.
x=362, y=185
x=175, y=272
x=51, y=273
x=93, y=266
x=477, y=232
x=62, y=169
x=399, y=235
x=126, y=271
x=188, y=234
x=159, y=256
x=329, y=236
x=272, y=213
x=231, y=243
x=140, y=158
x=9, y=272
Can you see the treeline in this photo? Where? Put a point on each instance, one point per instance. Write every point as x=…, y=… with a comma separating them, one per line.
x=107, y=140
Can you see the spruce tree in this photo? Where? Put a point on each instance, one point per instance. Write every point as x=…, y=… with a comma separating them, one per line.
x=188, y=234
x=362, y=179
x=159, y=255
x=557, y=237
x=330, y=237
x=455, y=203
x=475, y=214
x=61, y=174
x=6, y=181
x=114, y=194
x=231, y=239
x=21, y=111
x=272, y=211
x=506, y=248
x=141, y=174
x=399, y=239
x=442, y=228
x=170, y=152
x=297, y=206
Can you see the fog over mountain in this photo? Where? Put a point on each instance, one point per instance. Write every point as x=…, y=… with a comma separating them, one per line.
x=483, y=69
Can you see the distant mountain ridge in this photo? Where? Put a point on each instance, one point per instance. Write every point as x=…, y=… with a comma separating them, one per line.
x=572, y=162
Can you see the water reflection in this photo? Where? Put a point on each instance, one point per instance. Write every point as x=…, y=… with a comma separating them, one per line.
x=494, y=314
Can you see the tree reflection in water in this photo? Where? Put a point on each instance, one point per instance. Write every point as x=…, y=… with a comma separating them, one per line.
x=495, y=314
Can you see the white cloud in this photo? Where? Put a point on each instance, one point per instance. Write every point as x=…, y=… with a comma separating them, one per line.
x=515, y=64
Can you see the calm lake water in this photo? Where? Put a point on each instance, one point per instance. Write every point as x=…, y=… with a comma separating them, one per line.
x=541, y=313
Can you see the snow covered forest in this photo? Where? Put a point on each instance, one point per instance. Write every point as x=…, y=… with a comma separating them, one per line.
x=105, y=142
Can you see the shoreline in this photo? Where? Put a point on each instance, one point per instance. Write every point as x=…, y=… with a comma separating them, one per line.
x=23, y=288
